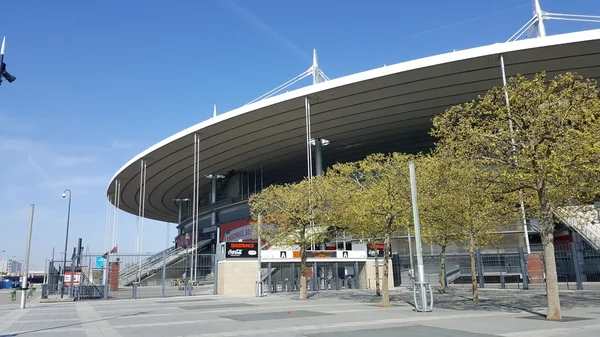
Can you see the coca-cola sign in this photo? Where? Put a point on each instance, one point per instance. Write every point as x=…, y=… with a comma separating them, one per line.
x=241, y=250
x=234, y=252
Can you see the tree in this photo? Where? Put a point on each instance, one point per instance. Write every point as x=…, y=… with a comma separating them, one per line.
x=464, y=208
x=342, y=199
x=546, y=144
x=437, y=192
x=374, y=201
x=296, y=214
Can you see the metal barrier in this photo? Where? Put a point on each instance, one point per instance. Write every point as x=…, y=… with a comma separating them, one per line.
x=101, y=280
x=421, y=290
x=321, y=276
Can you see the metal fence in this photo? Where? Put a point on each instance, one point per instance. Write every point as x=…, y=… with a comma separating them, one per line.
x=167, y=274
x=577, y=264
x=285, y=276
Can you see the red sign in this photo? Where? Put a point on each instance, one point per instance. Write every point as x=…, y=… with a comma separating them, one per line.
x=237, y=230
x=76, y=279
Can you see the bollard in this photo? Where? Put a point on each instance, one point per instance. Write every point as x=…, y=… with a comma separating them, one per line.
x=190, y=287
x=259, y=289
x=134, y=289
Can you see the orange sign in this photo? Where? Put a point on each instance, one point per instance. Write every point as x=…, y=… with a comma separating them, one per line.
x=296, y=254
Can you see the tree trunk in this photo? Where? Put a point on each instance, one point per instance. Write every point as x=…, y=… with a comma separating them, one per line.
x=303, y=290
x=547, y=233
x=443, y=269
x=377, y=286
x=473, y=270
x=385, y=300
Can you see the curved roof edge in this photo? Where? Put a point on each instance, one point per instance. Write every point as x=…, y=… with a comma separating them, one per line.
x=497, y=48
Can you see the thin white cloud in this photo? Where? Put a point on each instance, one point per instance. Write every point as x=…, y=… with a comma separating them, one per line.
x=266, y=29
x=470, y=20
x=70, y=161
x=36, y=167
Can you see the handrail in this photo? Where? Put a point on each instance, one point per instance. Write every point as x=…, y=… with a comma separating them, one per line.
x=157, y=263
x=134, y=269
x=581, y=223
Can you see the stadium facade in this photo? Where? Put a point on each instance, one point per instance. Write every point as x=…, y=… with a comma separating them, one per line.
x=208, y=171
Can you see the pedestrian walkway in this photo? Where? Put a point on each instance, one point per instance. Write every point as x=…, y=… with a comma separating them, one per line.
x=210, y=315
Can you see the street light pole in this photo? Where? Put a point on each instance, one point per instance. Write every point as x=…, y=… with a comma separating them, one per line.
x=24, y=283
x=62, y=290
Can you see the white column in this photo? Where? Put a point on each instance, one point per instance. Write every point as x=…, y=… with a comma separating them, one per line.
x=308, y=138
x=141, y=214
x=196, y=196
x=308, y=149
x=510, y=126
x=107, y=224
x=213, y=199
x=117, y=200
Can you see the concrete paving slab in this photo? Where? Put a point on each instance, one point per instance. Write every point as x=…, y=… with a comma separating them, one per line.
x=277, y=315
x=344, y=313
x=415, y=330
x=216, y=306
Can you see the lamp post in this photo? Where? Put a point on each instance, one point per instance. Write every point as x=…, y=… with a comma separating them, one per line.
x=62, y=290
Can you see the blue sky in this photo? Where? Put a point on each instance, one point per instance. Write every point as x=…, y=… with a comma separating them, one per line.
x=98, y=82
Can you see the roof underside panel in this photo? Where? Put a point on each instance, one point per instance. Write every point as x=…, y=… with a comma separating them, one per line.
x=392, y=112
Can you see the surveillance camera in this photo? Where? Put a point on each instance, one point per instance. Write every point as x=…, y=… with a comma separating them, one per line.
x=4, y=74
x=64, y=195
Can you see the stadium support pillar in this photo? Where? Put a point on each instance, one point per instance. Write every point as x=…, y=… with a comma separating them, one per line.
x=213, y=199
x=510, y=125
x=318, y=156
x=213, y=189
x=141, y=214
x=196, y=204
x=117, y=200
x=308, y=148
x=179, y=213
x=308, y=138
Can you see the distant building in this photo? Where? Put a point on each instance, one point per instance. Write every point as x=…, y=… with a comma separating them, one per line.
x=11, y=267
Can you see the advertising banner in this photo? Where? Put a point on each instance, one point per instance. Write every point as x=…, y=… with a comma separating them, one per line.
x=241, y=250
x=236, y=231
x=295, y=254
x=321, y=254
x=239, y=231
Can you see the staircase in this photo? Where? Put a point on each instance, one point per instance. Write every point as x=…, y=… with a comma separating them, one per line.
x=583, y=220
x=154, y=263
x=86, y=290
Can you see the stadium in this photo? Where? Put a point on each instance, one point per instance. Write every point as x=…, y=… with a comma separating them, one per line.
x=202, y=177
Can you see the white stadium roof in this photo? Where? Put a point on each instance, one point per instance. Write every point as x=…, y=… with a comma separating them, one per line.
x=380, y=110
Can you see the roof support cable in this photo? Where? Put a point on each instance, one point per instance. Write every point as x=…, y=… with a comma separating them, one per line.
x=314, y=71
x=539, y=16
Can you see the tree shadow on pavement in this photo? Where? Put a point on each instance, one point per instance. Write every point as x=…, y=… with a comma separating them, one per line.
x=496, y=300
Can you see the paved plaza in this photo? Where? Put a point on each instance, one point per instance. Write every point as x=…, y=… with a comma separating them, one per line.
x=507, y=313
